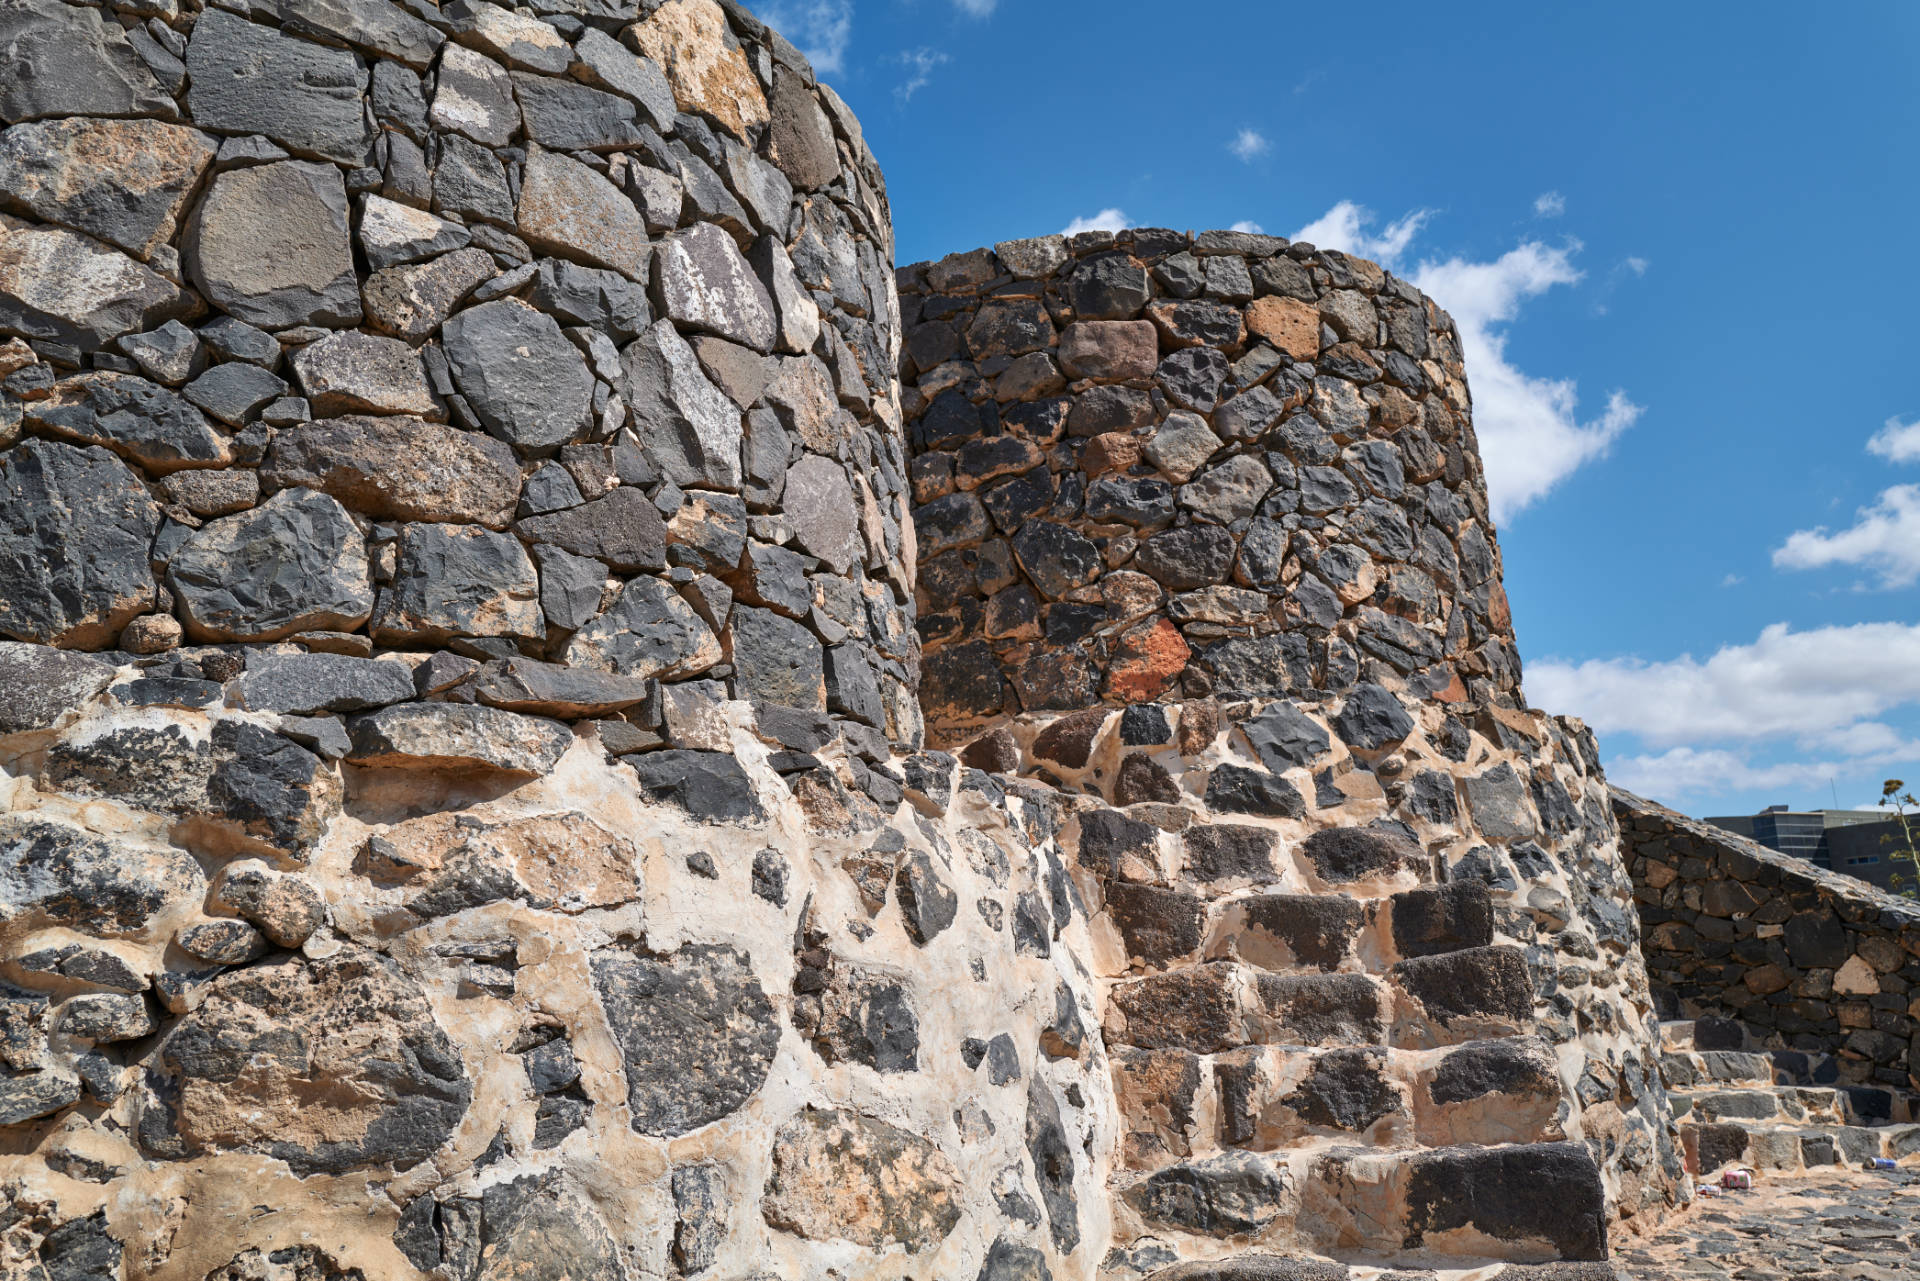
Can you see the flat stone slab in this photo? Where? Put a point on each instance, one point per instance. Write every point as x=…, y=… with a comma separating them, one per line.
x=455, y=736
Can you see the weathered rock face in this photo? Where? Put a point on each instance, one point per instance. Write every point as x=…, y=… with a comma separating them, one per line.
x=1356, y=909
x=463, y=783
x=1157, y=465
x=1752, y=941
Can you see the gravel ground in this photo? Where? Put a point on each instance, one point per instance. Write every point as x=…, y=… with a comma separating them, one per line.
x=1843, y=1226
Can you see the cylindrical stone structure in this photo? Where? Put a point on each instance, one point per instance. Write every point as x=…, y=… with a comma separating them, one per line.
x=466, y=809
x=460, y=810
x=1205, y=548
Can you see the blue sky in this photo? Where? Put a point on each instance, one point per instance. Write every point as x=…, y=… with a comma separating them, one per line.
x=1680, y=240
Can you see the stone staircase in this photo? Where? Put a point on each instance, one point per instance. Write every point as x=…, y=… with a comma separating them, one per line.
x=1742, y=1103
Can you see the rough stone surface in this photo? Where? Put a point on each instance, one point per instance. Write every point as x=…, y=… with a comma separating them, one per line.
x=73, y=545
x=122, y=181
x=447, y=736
x=842, y=1176
x=534, y=660
x=296, y=563
x=527, y=383
x=696, y=1034
x=269, y=244
x=399, y=468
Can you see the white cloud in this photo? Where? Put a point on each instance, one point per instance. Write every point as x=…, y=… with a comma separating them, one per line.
x=1251, y=228
x=1791, y=709
x=920, y=64
x=1638, y=266
x=976, y=8
x=1686, y=771
x=1530, y=435
x=1816, y=687
x=1343, y=227
x=820, y=28
x=1884, y=537
x=1732, y=580
x=1897, y=442
x=1105, y=220
x=1249, y=145
x=1550, y=204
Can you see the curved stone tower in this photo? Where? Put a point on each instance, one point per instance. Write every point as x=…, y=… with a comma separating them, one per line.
x=464, y=803
x=1205, y=548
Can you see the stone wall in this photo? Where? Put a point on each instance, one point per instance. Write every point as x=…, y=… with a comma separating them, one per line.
x=1153, y=464
x=1369, y=965
x=464, y=804
x=1806, y=959
x=459, y=810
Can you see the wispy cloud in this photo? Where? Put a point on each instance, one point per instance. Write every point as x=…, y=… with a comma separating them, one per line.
x=1249, y=145
x=1344, y=227
x=1251, y=228
x=976, y=8
x=821, y=29
x=1687, y=771
x=1549, y=204
x=1531, y=435
x=1638, y=266
x=920, y=64
x=1105, y=220
x=1897, y=442
x=1819, y=696
x=1884, y=536
x=1815, y=685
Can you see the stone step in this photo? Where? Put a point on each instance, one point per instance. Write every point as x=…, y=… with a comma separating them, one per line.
x=1791, y=1104
x=1706, y=1053
x=1712, y=1146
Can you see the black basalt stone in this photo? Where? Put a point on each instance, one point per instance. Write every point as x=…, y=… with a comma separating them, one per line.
x=697, y=1033
x=1010, y=1261
x=1145, y=725
x=1319, y=929
x=1817, y=940
x=1182, y=560
x=1057, y=558
x=707, y=785
x=1109, y=840
x=1342, y=854
x=1235, y=789
x=1549, y=1192
x=1157, y=926
x=1226, y=851
x=1322, y=1009
x=1372, y=719
x=928, y=902
x=1283, y=736
x=1053, y=1165
x=1442, y=918
x=1345, y=1090
x=1508, y=1066
x=1234, y=1194
x=1476, y=982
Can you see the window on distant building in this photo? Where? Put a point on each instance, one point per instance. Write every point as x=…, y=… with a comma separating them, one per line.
x=1863, y=860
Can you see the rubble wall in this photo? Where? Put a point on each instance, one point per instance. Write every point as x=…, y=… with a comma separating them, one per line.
x=1205, y=545
x=466, y=809
x=461, y=813
x=1808, y=959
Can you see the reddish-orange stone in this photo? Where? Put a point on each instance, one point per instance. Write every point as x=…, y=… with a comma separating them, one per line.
x=1146, y=662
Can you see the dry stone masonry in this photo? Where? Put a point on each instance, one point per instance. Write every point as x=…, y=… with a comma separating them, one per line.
x=1792, y=994
x=1205, y=546
x=550, y=728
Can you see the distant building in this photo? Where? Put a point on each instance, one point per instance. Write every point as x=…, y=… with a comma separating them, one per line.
x=1860, y=843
